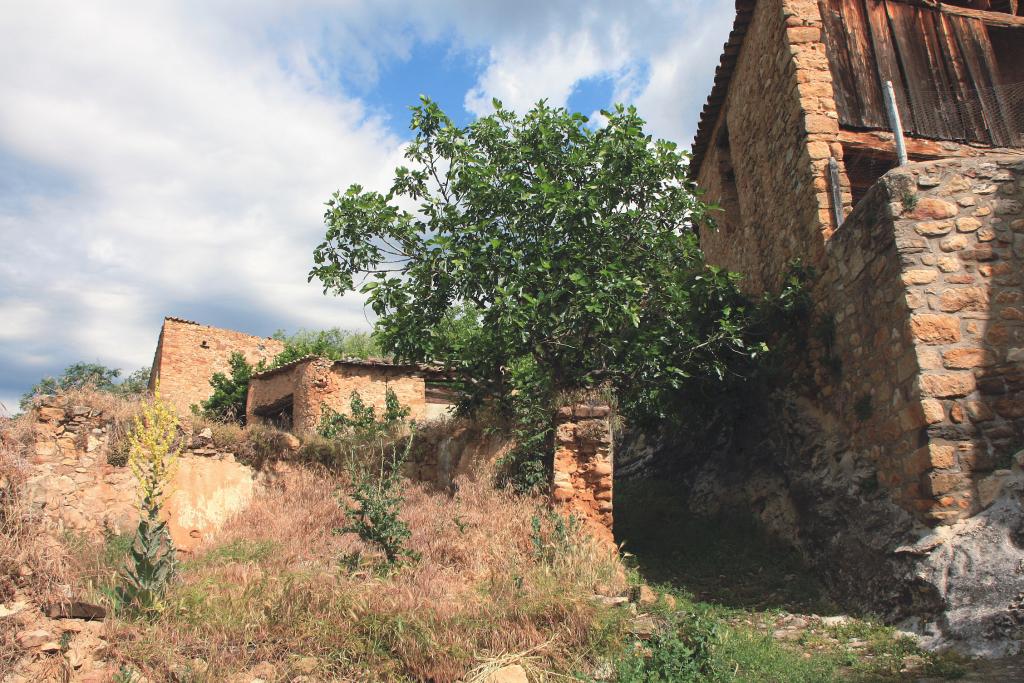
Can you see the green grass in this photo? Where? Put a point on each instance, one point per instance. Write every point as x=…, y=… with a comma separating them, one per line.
x=733, y=587
x=236, y=551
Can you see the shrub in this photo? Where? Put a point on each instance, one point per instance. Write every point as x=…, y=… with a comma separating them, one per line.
x=229, y=393
x=376, y=451
x=378, y=496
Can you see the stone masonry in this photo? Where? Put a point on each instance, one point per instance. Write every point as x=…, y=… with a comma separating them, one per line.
x=188, y=354
x=757, y=155
x=902, y=355
x=302, y=388
x=922, y=290
x=582, y=482
x=75, y=487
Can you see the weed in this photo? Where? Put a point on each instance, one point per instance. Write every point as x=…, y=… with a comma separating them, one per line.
x=666, y=658
x=240, y=550
x=153, y=454
x=378, y=494
x=553, y=535
x=375, y=517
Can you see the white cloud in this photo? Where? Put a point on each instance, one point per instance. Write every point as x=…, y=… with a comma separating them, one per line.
x=21, y=319
x=195, y=174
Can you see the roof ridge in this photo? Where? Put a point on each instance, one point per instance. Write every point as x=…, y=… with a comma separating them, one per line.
x=723, y=75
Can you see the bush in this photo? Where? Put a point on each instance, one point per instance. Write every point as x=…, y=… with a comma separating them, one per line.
x=230, y=393
x=377, y=451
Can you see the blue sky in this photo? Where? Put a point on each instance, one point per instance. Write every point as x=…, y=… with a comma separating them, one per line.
x=172, y=158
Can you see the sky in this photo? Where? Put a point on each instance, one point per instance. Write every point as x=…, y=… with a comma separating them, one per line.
x=173, y=158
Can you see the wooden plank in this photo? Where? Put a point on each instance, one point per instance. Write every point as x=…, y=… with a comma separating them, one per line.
x=886, y=61
x=943, y=72
x=976, y=50
x=844, y=78
x=990, y=18
x=870, y=145
x=862, y=58
x=971, y=120
x=907, y=25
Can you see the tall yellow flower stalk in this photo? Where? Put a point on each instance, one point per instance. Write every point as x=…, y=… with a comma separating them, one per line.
x=153, y=453
x=152, y=456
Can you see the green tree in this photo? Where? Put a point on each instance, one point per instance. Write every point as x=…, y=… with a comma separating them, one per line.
x=75, y=376
x=230, y=393
x=80, y=375
x=572, y=244
x=137, y=383
x=334, y=343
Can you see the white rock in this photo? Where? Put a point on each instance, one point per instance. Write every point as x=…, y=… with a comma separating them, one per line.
x=508, y=674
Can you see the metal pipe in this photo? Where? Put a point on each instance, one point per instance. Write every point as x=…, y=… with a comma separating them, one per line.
x=837, y=195
x=895, y=124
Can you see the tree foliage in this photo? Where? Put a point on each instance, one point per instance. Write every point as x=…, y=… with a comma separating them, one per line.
x=227, y=402
x=81, y=374
x=334, y=343
x=570, y=246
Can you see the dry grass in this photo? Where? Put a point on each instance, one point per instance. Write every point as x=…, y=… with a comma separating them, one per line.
x=254, y=444
x=271, y=589
x=32, y=562
x=278, y=583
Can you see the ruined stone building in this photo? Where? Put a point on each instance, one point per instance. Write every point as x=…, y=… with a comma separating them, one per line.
x=188, y=354
x=914, y=372
x=294, y=395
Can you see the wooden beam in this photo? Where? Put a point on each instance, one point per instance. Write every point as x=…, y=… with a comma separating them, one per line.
x=871, y=144
x=990, y=18
x=987, y=17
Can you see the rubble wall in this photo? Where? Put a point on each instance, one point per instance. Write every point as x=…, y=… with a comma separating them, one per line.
x=77, y=489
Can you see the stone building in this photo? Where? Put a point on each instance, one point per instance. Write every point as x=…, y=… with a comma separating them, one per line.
x=906, y=409
x=921, y=280
x=188, y=354
x=294, y=395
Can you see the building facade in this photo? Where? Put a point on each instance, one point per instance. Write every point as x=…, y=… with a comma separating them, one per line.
x=917, y=269
x=188, y=354
x=294, y=396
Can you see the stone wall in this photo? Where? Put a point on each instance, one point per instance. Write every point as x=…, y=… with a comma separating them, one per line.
x=922, y=371
x=583, y=470
x=861, y=350
x=959, y=230
x=188, y=354
x=448, y=449
x=767, y=156
x=77, y=489
x=315, y=382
